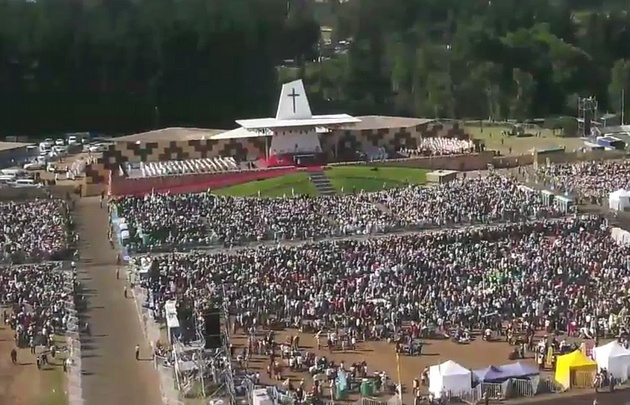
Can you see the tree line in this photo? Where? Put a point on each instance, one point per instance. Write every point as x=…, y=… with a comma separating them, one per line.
x=120, y=66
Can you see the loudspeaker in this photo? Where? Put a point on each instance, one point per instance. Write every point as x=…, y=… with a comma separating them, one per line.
x=212, y=332
x=587, y=123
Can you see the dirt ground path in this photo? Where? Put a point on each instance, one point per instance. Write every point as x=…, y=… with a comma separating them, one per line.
x=111, y=375
x=380, y=356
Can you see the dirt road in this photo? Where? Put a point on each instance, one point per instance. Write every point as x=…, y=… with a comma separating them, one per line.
x=111, y=375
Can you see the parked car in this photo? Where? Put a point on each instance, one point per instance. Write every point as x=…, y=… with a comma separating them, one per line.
x=98, y=147
x=35, y=165
x=24, y=183
x=60, y=150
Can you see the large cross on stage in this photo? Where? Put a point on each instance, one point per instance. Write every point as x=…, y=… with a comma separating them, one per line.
x=293, y=95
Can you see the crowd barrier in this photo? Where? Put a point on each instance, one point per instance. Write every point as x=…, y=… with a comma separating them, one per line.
x=338, y=234
x=279, y=397
x=394, y=400
x=151, y=331
x=115, y=227
x=510, y=389
x=73, y=344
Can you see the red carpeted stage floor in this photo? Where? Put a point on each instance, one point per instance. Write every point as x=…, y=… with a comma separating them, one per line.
x=196, y=182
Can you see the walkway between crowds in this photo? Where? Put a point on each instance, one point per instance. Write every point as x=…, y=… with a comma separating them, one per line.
x=111, y=374
x=298, y=242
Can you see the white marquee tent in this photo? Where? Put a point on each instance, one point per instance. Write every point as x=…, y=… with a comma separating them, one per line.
x=615, y=358
x=449, y=377
x=621, y=236
x=619, y=200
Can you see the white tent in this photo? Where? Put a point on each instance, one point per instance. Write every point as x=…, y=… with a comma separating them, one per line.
x=615, y=358
x=449, y=377
x=621, y=236
x=619, y=200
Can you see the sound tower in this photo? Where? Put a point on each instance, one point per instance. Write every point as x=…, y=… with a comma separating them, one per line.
x=588, y=117
x=212, y=332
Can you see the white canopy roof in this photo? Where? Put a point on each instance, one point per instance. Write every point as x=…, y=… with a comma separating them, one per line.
x=240, y=133
x=294, y=110
x=619, y=200
x=449, y=377
x=620, y=193
x=612, y=349
x=615, y=358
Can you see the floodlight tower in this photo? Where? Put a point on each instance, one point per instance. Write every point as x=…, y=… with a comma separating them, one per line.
x=587, y=114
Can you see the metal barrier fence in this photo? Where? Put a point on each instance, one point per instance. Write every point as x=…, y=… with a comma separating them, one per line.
x=73, y=344
x=510, y=389
x=394, y=400
x=151, y=331
x=548, y=386
x=278, y=397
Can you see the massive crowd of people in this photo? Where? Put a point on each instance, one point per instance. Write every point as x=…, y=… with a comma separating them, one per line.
x=174, y=221
x=539, y=271
x=34, y=230
x=526, y=263
x=589, y=180
x=36, y=296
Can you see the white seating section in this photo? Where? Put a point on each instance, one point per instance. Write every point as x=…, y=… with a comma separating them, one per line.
x=181, y=167
x=440, y=146
x=376, y=153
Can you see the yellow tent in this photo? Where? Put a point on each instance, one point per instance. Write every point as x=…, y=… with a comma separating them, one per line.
x=575, y=369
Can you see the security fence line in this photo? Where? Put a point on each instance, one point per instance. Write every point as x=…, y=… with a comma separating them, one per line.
x=151, y=331
x=73, y=343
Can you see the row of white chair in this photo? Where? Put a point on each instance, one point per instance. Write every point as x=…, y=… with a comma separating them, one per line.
x=376, y=153
x=441, y=146
x=175, y=167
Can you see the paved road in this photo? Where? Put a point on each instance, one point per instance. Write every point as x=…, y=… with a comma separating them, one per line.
x=111, y=375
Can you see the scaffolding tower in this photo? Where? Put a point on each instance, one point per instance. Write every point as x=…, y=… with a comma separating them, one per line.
x=212, y=365
x=587, y=115
x=225, y=335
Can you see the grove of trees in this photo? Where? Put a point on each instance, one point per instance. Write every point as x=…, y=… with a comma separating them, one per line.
x=117, y=66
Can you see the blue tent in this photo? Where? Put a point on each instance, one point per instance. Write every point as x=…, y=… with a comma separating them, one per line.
x=520, y=370
x=492, y=374
x=498, y=374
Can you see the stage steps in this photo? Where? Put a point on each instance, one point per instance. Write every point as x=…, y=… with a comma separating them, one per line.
x=321, y=182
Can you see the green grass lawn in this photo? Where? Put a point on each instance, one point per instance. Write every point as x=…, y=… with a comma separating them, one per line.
x=300, y=183
x=512, y=145
x=358, y=177
x=347, y=178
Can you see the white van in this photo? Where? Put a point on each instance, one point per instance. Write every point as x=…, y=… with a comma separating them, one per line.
x=45, y=146
x=6, y=179
x=35, y=165
x=25, y=183
x=14, y=172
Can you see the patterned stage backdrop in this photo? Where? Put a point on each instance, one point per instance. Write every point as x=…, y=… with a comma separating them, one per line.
x=254, y=148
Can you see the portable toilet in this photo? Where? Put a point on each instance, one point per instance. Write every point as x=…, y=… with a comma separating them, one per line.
x=565, y=203
x=547, y=197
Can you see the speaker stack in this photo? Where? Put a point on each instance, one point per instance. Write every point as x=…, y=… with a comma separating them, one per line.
x=212, y=332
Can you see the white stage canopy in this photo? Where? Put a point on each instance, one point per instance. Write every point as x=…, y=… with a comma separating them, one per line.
x=294, y=110
x=449, y=377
